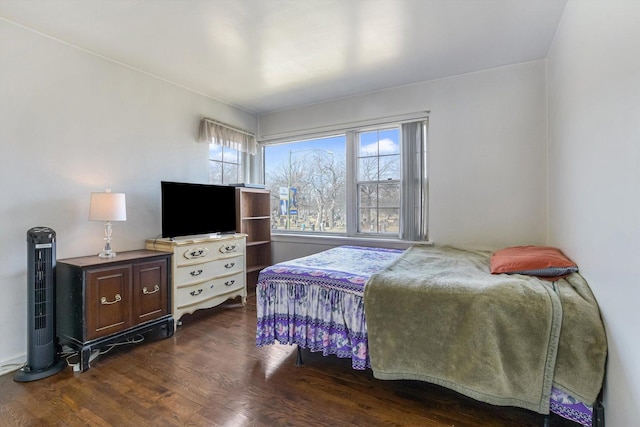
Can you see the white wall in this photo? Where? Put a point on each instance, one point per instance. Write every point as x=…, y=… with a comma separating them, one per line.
x=594, y=175
x=72, y=123
x=487, y=150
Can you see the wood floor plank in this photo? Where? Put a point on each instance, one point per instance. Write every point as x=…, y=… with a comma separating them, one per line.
x=211, y=374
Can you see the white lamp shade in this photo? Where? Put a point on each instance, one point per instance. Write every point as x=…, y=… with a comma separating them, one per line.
x=107, y=207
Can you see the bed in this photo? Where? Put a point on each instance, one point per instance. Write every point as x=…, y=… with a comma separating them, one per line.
x=318, y=303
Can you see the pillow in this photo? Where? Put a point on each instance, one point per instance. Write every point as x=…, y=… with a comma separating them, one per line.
x=545, y=262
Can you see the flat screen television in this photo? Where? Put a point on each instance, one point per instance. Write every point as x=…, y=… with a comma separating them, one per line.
x=197, y=209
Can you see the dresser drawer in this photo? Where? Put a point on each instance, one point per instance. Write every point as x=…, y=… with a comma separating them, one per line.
x=207, y=251
x=200, y=292
x=196, y=273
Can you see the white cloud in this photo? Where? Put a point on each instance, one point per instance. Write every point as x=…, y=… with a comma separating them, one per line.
x=387, y=146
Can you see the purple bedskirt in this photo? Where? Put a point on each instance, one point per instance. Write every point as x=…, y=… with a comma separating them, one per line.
x=317, y=303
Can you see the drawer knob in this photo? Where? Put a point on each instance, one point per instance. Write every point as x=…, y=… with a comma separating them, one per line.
x=156, y=288
x=195, y=273
x=229, y=265
x=229, y=283
x=225, y=249
x=196, y=253
x=194, y=293
x=103, y=300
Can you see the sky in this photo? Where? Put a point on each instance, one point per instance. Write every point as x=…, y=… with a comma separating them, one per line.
x=277, y=155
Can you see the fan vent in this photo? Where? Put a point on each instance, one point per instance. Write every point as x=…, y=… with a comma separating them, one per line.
x=41, y=285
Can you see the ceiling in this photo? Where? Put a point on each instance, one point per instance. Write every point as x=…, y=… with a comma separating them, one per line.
x=267, y=55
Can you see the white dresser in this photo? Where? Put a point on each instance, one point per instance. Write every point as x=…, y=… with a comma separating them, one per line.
x=205, y=271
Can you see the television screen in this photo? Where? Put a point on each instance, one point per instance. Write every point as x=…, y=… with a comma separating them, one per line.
x=195, y=209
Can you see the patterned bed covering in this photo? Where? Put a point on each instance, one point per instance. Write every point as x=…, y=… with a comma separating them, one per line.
x=317, y=303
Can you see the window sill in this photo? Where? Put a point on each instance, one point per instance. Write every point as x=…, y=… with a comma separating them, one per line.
x=343, y=240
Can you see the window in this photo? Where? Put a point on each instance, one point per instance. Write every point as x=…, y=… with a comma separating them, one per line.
x=307, y=183
x=378, y=181
x=225, y=165
x=368, y=182
x=230, y=148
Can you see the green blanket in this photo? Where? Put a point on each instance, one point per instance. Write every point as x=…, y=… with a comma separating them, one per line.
x=438, y=315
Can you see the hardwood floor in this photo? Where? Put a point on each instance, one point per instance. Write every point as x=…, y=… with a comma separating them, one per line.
x=211, y=374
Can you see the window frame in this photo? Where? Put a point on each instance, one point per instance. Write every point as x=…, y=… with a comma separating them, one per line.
x=356, y=183
x=351, y=150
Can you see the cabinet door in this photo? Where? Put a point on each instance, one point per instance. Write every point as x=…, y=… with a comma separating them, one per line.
x=108, y=300
x=150, y=289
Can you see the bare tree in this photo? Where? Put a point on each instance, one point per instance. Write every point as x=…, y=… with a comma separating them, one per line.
x=319, y=180
x=326, y=182
x=377, y=187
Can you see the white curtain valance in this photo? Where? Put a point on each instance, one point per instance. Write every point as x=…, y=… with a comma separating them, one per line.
x=215, y=132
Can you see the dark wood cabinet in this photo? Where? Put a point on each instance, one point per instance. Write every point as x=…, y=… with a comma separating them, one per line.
x=100, y=302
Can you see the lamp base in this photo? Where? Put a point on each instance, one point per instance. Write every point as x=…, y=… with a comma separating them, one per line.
x=106, y=251
x=106, y=254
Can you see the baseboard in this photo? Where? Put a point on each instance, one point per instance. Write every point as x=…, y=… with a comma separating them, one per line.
x=10, y=365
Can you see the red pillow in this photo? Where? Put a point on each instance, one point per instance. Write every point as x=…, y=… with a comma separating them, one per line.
x=545, y=262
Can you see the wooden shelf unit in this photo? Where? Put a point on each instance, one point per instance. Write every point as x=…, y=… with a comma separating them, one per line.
x=253, y=218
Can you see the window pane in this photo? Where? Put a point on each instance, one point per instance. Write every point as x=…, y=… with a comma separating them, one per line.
x=368, y=144
x=215, y=172
x=389, y=221
x=215, y=152
x=307, y=183
x=368, y=169
x=368, y=196
x=388, y=141
x=389, y=167
x=229, y=155
x=225, y=166
x=368, y=221
x=230, y=173
x=389, y=195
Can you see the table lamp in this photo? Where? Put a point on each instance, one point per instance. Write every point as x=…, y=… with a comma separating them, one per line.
x=108, y=207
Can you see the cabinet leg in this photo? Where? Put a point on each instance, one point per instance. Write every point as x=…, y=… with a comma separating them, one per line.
x=170, y=327
x=85, y=355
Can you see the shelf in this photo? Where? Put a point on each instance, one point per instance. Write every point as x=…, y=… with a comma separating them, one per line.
x=258, y=242
x=254, y=202
x=253, y=210
x=256, y=268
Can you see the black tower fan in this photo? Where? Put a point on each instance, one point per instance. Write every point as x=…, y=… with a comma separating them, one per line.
x=42, y=354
